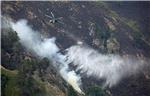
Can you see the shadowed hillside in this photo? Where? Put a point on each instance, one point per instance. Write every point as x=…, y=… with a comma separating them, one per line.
x=109, y=27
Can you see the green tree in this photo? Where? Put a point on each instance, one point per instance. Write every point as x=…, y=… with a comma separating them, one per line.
x=8, y=39
x=4, y=80
x=71, y=91
x=95, y=91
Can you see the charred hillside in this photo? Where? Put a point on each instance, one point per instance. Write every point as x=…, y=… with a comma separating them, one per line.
x=104, y=26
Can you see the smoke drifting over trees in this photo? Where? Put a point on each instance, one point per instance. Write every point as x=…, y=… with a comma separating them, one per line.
x=111, y=67
x=46, y=48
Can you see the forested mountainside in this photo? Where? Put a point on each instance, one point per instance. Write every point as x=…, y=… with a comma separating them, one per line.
x=109, y=27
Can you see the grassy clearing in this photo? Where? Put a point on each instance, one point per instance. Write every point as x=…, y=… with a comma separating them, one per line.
x=10, y=86
x=9, y=73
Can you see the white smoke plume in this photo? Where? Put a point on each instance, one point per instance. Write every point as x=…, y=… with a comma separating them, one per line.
x=46, y=47
x=111, y=68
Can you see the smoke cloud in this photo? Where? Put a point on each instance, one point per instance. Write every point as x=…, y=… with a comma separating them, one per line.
x=111, y=68
x=46, y=47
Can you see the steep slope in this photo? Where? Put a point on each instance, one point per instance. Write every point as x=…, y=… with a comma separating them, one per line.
x=96, y=24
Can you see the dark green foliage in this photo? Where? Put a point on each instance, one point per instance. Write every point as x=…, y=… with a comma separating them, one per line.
x=14, y=57
x=11, y=49
x=25, y=77
x=26, y=81
x=71, y=91
x=8, y=39
x=4, y=80
x=26, y=67
x=95, y=91
x=42, y=65
x=29, y=87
